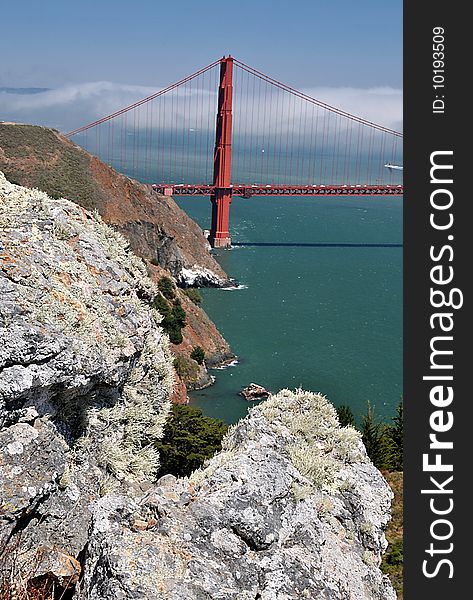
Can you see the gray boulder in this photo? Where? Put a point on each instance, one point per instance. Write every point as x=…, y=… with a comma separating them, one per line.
x=291, y=508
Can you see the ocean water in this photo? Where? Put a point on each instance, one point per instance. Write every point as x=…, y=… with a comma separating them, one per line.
x=318, y=303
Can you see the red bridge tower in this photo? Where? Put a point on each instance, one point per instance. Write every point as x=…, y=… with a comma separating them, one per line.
x=222, y=196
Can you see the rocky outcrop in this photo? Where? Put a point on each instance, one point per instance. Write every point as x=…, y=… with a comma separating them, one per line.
x=85, y=373
x=291, y=508
x=157, y=229
x=255, y=392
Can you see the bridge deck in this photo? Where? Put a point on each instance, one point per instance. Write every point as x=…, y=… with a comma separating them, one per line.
x=247, y=191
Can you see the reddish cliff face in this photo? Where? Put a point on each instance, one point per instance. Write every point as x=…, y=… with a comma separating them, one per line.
x=158, y=230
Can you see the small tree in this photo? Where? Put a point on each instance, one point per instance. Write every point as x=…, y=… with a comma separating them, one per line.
x=186, y=368
x=189, y=439
x=346, y=416
x=161, y=305
x=178, y=313
x=372, y=433
x=198, y=355
x=175, y=334
x=393, y=442
x=166, y=287
x=174, y=317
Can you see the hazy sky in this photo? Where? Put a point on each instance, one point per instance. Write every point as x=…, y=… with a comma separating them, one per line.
x=98, y=56
x=310, y=43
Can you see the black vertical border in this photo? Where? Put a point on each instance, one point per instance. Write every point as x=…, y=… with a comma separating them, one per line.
x=426, y=132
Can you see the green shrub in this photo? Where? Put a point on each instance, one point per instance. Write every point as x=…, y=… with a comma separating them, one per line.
x=176, y=363
x=372, y=433
x=161, y=305
x=189, y=439
x=345, y=416
x=194, y=295
x=175, y=334
x=174, y=317
x=178, y=313
x=393, y=436
x=166, y=287
x=384, y=442
x=392, y=563
x=395, y=553
x=198, y=355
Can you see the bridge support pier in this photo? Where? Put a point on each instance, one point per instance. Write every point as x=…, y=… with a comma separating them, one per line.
x=221, y=199
x=219, y=234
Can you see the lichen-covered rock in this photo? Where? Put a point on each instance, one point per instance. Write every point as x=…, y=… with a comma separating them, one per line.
x=291, y=508
x=85, y=370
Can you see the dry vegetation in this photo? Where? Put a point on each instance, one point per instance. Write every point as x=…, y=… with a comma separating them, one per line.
x=43, y=160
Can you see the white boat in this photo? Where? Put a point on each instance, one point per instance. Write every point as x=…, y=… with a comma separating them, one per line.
x=390, y=166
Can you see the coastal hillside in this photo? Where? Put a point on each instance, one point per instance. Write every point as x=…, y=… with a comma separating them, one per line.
x=290, y=508
x=157, y=229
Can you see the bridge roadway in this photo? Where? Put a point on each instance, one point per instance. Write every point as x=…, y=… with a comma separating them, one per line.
x=247, y=191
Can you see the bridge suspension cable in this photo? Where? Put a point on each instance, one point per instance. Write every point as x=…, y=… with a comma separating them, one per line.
x=307, y=98
x=143, y=100
x=282, y=138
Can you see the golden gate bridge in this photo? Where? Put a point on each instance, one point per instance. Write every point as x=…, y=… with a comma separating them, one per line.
x=268, y=139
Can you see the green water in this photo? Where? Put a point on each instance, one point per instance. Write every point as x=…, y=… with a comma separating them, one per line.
x=325, y=318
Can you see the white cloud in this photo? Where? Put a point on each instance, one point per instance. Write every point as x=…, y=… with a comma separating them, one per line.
x=71, y=106
x=381, y=105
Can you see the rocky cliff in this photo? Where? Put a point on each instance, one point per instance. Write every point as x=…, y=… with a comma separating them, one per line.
x=157, y=229
x=291, y=508
x=85, y=375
